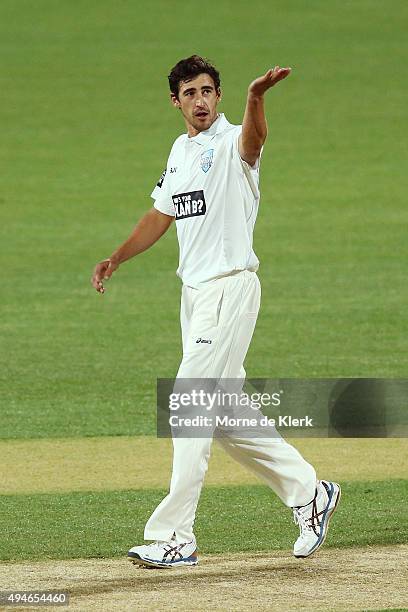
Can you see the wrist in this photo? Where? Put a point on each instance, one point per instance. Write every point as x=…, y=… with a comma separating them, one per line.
x=254, y=96
x=114, y=259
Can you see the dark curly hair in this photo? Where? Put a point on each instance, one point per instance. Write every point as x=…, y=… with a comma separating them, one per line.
x=189, y=68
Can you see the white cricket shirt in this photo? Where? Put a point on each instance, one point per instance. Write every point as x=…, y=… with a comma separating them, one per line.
x=213, y=195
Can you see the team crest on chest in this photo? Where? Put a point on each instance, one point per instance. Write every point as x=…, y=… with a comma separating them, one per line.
x=206, y=160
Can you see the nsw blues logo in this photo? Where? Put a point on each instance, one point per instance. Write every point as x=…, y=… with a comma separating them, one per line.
x=206, y=160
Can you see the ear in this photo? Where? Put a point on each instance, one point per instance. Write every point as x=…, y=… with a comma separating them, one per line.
x=219, y=95
x=174, y=100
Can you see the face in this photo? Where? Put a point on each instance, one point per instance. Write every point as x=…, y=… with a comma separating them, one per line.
x=198, y=101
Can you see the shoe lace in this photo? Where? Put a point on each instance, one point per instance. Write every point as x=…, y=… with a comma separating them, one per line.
x=169, y=550
x=169, y=544
x=307, y=523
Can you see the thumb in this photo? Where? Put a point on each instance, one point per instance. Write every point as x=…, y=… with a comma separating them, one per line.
x=109, y=270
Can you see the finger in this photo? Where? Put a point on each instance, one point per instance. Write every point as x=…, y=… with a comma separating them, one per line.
x=273, y=73
x=278, y=70
x=108, y=272
x=284, y=72
x=281, y=74
x=98, y=272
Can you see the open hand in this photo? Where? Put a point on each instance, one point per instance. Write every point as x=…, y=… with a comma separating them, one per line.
x=268, y=80
x=103, y=271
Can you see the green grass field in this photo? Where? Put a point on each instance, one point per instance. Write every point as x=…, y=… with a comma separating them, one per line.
x=230, y=519
x=86, y=130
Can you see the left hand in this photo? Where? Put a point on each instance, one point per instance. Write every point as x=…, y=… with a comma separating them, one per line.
x=268, y=80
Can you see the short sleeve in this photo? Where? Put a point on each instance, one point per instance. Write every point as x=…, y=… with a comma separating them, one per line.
x=251, y=172
x=162, y=196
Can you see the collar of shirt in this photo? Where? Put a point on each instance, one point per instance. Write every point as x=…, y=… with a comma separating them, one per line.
x=219, y=125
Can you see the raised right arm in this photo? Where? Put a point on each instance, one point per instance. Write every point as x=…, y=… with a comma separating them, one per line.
x=149, y=229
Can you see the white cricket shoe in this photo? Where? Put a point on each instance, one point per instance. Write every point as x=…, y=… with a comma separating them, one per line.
x=164, y=554
x=313, y=519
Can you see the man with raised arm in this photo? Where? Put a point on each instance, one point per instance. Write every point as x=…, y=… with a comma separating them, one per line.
x=210, y=187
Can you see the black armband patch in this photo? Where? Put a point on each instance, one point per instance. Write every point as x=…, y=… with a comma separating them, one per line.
x=161, y=179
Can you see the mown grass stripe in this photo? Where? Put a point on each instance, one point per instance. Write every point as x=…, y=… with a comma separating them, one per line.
x=229, y=519
x=114, y=463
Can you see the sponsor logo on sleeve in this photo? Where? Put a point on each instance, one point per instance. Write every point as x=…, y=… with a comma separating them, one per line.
x=191, y=204
x=206, y=160
x=161, y=179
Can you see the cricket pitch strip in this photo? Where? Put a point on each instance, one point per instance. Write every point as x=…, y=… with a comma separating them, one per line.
x=368, y=578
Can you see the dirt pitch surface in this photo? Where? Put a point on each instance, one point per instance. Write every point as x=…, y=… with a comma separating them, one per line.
x=370, y=578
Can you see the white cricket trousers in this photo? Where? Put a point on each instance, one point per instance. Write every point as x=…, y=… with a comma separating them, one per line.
x=223, y=311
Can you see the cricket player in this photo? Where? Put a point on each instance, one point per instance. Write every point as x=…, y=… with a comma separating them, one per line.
x=210, y=188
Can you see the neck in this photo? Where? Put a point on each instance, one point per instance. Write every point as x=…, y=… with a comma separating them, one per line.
x=191, y=130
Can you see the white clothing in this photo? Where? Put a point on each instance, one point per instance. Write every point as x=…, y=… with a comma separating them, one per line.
x=214, y=196
x=223, y=311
